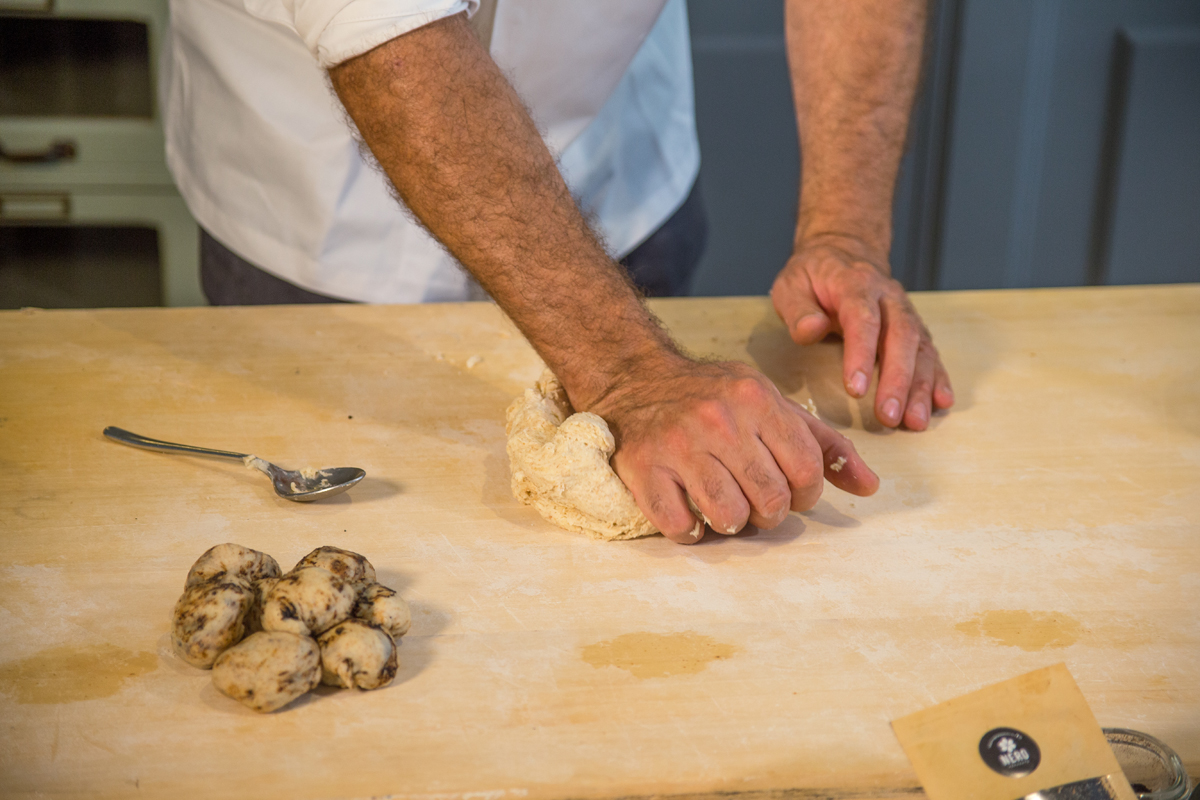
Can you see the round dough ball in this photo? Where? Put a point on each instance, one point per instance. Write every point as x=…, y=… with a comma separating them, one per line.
x=357, y=654
x=382, y=606
x=232, y=561
x=267, y=671
x=307, y=601
x=350, y=567
x=209, y=619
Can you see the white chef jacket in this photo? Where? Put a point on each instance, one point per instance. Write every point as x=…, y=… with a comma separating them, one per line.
x=263, y=156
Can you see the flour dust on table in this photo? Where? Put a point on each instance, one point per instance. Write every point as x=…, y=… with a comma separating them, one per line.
x=270, y=638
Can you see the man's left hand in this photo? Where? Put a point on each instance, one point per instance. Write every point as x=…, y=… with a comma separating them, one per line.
x=835, y=284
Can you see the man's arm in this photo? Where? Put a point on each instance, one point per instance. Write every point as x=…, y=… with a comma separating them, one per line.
x=463, y=154
x=855, y=67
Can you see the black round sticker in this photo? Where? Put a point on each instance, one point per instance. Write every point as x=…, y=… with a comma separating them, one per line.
x=1009, y=752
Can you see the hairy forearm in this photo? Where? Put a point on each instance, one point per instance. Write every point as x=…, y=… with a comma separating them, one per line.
x=464, y=156
x=855, y=66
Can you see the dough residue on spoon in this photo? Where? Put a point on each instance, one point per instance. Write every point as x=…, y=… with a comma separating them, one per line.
x=559, y=461
x=254, y=462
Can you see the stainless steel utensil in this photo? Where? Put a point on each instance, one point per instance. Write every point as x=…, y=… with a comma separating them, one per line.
x=303, y=487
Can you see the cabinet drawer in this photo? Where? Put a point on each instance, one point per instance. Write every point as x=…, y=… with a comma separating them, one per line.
x=121, y=152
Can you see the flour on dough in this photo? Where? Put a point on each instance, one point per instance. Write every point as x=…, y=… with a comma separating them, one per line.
x=559, y=463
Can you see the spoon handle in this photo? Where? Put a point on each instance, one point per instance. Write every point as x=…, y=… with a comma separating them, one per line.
x=125, y=437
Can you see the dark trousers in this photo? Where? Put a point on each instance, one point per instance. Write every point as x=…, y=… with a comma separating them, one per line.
x=661, y=266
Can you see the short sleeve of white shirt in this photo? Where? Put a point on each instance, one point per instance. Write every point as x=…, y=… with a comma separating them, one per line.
x=338, y=30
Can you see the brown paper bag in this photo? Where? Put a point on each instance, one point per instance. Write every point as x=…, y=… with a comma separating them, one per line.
x=1029, y=734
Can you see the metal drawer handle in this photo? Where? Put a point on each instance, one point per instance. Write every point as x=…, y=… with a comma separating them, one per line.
x=61, y=150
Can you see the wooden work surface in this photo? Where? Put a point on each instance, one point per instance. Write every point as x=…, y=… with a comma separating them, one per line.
x=1054, y=515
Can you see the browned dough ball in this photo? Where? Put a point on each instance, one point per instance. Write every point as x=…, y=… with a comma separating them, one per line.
x=357, y=654
x=209, y=619
x=306, y=602
x=382, y=606
x=232, y=561
x=350, y=567
x=268, y=670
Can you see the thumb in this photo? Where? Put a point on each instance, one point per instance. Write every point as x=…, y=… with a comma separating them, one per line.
x=796, y=303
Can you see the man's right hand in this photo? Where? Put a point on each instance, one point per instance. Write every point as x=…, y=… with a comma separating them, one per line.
x=462, y=152
x=722, y=434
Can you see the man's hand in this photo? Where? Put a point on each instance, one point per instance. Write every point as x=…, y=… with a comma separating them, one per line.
x=836, y=285
x=722, y=435
x=467, y=160
x=854, y=70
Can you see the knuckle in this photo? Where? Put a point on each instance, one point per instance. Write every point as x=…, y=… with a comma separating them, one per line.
x=911, y=329
x=714, y=489
x=749, y=391
x=658, y=505
x=805, y=499
x=713, y=414
x=670, y=519
x=866, y=314
x=867, y=310
x=921, y=386
x=772, y=497
x=809, y=473
x=759, y=476
x=775, y=504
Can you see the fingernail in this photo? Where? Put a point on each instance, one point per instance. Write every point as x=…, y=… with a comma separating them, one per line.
x=810, y=319
x=697, y=531
x=920, y=412
x=891, y=410
x=858, y=384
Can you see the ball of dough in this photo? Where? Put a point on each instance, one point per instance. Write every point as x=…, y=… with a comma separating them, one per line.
x=357, y=654
x=267, y=671
x=232, y=561
x=385, y=608
x=307, y=601
x=350, y=567
x=559, y=463
x=209, y=619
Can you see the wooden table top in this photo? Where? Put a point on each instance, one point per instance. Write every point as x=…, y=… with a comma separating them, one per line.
x=1053, y=516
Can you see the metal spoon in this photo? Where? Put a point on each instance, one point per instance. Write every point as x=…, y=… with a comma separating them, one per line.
x=288, y=483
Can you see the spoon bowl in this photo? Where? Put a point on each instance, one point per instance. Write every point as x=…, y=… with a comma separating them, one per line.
x=302, y=486
x=306, y=486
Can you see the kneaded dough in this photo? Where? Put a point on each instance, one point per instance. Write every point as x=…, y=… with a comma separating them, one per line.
x=559, y=463
x=209, y=619
x=267, y=671
x=232, y=561
x=357, y=655
x=385, y=608
x=307, y=601
x=350, y=567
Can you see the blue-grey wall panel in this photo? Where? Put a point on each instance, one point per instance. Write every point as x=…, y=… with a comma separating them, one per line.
x=1155, y=233
x=1031, y=115
x=981, y=180
x=749, y=162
